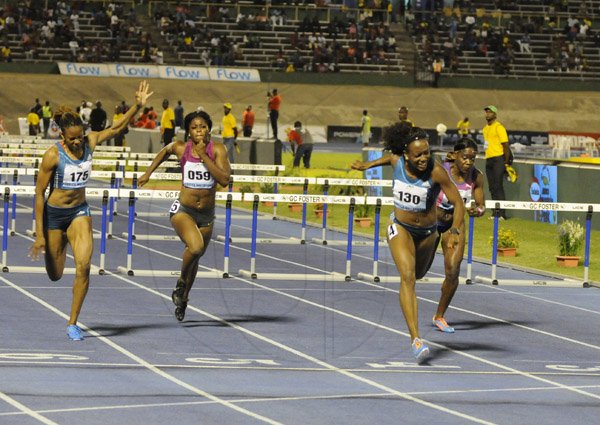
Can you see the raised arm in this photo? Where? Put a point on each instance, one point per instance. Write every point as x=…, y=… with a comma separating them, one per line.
x=458, y=218
x=384, y=160
x=47, y=167
x=160, y=157
x=478, y=209
x=141, y=97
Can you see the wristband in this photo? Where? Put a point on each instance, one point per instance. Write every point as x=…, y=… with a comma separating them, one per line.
x=454, y=231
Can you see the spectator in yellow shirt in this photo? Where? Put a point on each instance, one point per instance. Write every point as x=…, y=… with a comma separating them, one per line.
x=33, y=120
x=497, y=154
x=167, y=123
x=463, y=127
x=229, y=132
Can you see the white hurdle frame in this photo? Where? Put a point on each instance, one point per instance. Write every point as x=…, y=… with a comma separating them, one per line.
x=304, y=199
x=496, y=206
x=7, y=190
x=134, y=194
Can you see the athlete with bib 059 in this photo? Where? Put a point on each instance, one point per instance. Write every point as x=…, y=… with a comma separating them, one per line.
x=65, y=216
x=204, y=163
x=412, y=234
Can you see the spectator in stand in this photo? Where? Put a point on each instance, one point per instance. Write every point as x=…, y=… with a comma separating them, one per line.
x=6, y=53
x=167, y=123
x=273, y=107
x=524, y=43
x=98, y=118
x=33, y=120
x=248, y=121
x=178, y=114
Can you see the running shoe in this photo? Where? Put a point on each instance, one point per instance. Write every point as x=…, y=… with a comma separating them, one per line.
x=74, y=333
x=420, y=350
x=179, y=301
x=442, y=325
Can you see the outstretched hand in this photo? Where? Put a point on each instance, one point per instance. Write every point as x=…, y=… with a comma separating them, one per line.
x=142, y=95
x=358, y=165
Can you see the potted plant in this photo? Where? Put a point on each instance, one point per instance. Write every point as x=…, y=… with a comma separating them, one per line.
x=507, y=243
x=570, y=241
x=318, y=209
x=362, y=214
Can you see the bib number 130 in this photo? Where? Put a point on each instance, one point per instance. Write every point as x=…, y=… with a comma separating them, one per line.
x=408, y=198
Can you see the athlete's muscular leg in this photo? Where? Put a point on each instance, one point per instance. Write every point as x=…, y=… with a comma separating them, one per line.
x=79, y=235
x=196, y=240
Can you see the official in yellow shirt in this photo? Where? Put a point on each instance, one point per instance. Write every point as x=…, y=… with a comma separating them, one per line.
x=463, y=127
x=33, y=120
x=167, y=123
x=229, y=132
x=497, y=154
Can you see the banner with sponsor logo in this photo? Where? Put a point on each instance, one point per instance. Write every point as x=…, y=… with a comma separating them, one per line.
x=544, y=188
x=234, y=74
x=159, y=71
x=588, y=143
x=350, y=134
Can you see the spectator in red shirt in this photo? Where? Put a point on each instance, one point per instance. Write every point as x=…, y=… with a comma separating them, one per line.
x=248, y=121
x=274, y=102
x=303, y=142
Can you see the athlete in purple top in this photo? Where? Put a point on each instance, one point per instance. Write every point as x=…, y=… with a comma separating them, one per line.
x=204, y=163
x=469, y=182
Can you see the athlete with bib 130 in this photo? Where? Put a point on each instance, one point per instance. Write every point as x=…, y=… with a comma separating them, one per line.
x=65, y=216
x=413, y=232
x=204, y=163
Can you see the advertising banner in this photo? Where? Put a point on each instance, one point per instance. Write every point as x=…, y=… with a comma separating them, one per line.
x=374, y=173
x=234, y=74
x=544, y=188
x=159, y=71
x=350, y=134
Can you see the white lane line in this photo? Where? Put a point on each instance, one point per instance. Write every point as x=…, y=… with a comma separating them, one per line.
x=25, y=410
x=310, y=358
x=141, y=361
x=294, y=398
x=586, y=310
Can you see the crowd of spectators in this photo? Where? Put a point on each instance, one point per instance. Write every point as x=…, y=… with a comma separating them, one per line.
x=500, y=36
x=59, y=26
x=344, y=39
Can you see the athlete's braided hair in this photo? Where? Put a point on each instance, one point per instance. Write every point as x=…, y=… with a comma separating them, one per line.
x=465, y=143
x=398, y=136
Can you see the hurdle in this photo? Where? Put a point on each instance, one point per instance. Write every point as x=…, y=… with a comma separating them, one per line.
x=327, y=182
x=537, y=206
x=304, y=199
x=305, y=181
x=30, y=190
x=133, y=195
x=374, y=276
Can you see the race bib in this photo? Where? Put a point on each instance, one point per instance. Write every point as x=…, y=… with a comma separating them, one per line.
x=409, y=197
x=175, y=207
x=76, y=176
x=392, y=231
x=196, y=176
